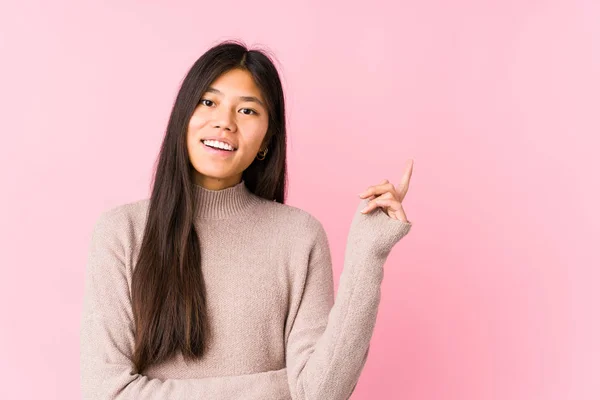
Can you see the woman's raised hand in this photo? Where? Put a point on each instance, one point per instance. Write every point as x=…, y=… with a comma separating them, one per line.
x=388, y=197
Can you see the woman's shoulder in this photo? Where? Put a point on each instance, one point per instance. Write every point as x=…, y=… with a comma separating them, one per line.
x=130, y=210
x=123, y=219
x=293, y=217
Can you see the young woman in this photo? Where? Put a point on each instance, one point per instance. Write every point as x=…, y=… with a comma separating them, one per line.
x=214, y=288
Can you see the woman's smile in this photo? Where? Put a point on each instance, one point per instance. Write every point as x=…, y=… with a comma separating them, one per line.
x=216, y=151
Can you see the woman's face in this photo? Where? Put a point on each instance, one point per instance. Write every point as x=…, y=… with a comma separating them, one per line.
x=231, y=110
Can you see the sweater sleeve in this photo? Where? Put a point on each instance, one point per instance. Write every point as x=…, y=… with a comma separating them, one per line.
x=107, y=338
x=329, y=341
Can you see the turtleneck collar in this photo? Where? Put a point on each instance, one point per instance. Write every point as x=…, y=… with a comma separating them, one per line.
x=219, y=204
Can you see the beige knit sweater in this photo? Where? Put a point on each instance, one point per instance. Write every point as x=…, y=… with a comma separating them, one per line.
x=278, y=334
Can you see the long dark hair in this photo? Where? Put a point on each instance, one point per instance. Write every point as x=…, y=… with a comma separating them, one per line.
x=168, y=289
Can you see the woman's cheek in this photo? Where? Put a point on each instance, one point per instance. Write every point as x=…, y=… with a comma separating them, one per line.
x=196, y=123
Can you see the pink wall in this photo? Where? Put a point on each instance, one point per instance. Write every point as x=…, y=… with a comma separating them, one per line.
x=493, y=295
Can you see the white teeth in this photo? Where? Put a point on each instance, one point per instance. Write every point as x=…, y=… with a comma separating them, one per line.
x=217, y=144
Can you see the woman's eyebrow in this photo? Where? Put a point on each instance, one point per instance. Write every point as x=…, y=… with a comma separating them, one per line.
x=243, y=98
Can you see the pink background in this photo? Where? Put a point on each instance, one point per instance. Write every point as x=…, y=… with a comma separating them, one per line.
x=495, y=292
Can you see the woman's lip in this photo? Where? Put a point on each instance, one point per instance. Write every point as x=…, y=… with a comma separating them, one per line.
x=212, y=150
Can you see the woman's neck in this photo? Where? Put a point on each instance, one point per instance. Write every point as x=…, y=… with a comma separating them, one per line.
x=223, y=203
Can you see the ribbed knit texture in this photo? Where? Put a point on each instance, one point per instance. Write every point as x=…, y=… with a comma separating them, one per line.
x=277, y=332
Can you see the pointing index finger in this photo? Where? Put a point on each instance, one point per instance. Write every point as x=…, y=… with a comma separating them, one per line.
x=405, y=181
x=407, y=173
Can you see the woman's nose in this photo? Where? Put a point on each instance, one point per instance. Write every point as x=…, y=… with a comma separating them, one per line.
x=223, y=120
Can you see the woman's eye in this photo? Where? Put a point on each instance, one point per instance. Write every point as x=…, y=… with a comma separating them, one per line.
x=249, y=109
x=210, y=103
